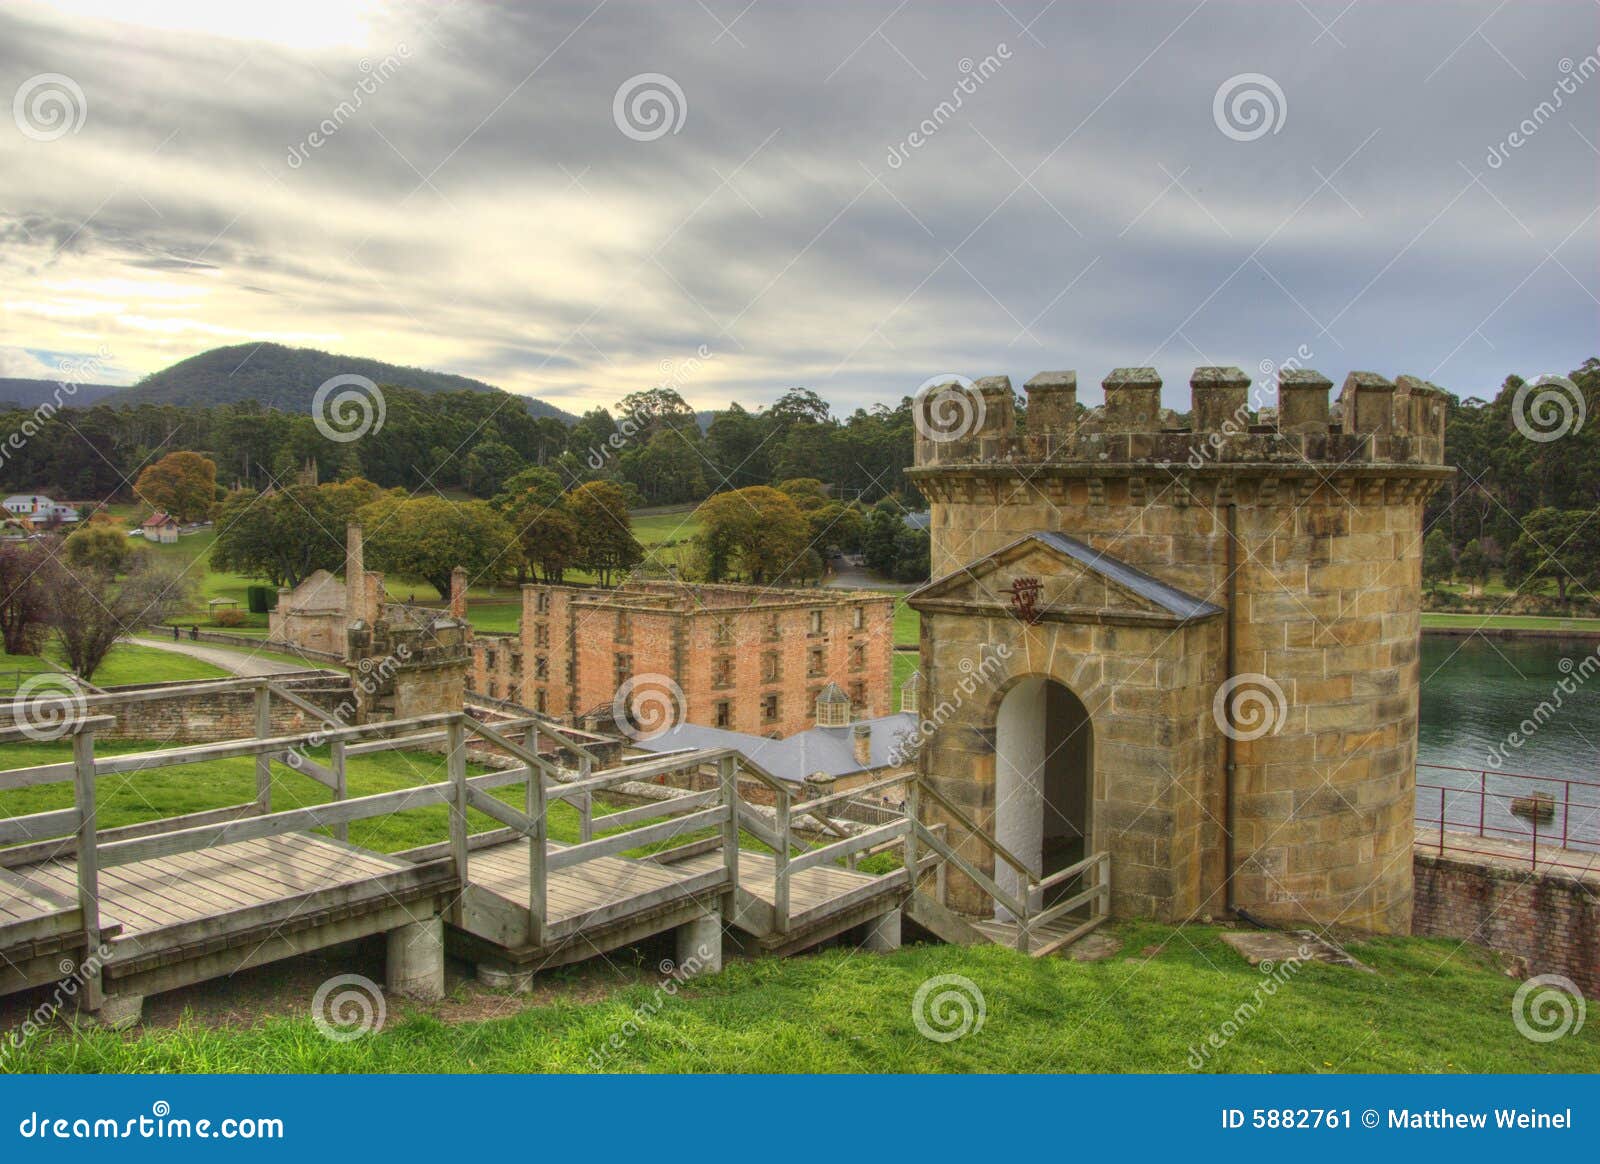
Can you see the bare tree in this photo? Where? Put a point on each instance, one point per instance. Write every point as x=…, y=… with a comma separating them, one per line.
x=90, y=608
x=24, y=594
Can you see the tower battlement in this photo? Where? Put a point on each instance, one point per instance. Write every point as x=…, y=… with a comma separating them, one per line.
x=1375, y=421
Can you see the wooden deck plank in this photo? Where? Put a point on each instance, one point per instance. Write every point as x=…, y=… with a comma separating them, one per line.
x=207, y=883
x=571, y=893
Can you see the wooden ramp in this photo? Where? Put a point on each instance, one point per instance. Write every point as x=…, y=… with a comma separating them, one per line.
x=589, y=908
x=189, y=916
x=824, y=901
x=144, y=908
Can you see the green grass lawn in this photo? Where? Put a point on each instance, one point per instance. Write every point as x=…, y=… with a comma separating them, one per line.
x=163, y=792
x=907, y=625
x=127, y=663
x=905, y=663
x=1430, y=1007
x=1509, y=622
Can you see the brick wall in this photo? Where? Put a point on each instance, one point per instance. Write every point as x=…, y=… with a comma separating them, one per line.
x=746, y=658
x=1551, y=918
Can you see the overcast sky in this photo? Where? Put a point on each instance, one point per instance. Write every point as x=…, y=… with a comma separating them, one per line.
x=1101, y=197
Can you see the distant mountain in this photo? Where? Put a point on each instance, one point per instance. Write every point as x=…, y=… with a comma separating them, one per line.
x=32, y=393
x=287, y=378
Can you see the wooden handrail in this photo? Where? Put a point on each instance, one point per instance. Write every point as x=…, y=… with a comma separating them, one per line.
x=982, y=834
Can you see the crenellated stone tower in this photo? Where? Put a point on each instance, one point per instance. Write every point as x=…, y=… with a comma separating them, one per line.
x=1193, y=646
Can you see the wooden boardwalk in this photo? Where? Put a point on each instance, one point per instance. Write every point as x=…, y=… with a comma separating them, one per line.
x=824, y=901
x=145, y=908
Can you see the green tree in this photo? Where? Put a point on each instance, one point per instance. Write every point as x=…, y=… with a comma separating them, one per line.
x=1437, y=560
x=808, y=492
x=606, y=545
x=1556, y=545
x=98, y=547
x=489, y=466
x=425, y=538
x=1474, y=564
x=286, y=535
x=759, y=532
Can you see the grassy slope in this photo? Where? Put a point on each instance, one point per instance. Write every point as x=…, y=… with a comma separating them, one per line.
x=1430, y=1007
x=163, y=792
x=127, y=663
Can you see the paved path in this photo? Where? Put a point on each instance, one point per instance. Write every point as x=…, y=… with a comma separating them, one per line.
x=236, y=661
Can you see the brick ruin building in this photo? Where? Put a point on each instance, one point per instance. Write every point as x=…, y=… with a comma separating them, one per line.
x=1193, y=646
x=745, y=658
x=404, y=660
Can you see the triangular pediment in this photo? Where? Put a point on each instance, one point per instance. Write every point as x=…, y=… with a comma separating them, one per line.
x=1064, y=580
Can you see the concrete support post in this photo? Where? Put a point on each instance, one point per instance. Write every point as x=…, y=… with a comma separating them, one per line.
x=700, y=945
x=415, y=965
x=504, y=977
x=117, y=1012
x=882, y=934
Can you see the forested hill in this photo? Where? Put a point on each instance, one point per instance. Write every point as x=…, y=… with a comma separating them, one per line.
x=30, y=394
x=286, y=378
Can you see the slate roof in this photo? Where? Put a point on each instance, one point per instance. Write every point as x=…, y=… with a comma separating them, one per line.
x=818, y=749
x=1169, y=598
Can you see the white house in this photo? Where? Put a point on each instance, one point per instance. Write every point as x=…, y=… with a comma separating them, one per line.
x=40, y=509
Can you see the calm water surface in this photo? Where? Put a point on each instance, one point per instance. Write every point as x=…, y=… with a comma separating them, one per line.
x=1475, y=692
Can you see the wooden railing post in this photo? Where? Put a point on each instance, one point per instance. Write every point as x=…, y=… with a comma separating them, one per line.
x=263, y=761
x=83, y=787
x=456, y=765
x=586, y=801
x=728, y=776
x=912, y=807
x=535, y=808
x=780, y=879
x=340, y=787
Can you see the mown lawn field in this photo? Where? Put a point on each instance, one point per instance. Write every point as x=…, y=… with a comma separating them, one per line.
x=127, y=663
x=1429, y=1006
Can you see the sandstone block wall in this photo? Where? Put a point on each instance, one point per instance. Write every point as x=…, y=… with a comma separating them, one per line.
x=1326, y=510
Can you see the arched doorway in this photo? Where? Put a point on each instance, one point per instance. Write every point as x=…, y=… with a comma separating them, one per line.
x=1044, y=782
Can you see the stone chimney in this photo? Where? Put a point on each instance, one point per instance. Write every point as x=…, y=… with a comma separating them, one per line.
x=355, y=575
x=861, y=744
x=458, y=594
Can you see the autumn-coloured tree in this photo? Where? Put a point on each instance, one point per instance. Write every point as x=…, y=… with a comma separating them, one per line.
x=183, y=484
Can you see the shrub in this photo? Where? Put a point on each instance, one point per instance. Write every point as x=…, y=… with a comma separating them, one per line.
x=230, y=618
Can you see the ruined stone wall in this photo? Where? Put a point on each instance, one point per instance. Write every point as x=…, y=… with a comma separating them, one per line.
x=1550, y=918
x=1326, y=504
x=205, y=717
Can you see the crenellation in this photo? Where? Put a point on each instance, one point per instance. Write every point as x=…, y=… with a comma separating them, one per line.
x=1052, y=403
x=1133, y=400
x=1220, y=399
x=1375, y=424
